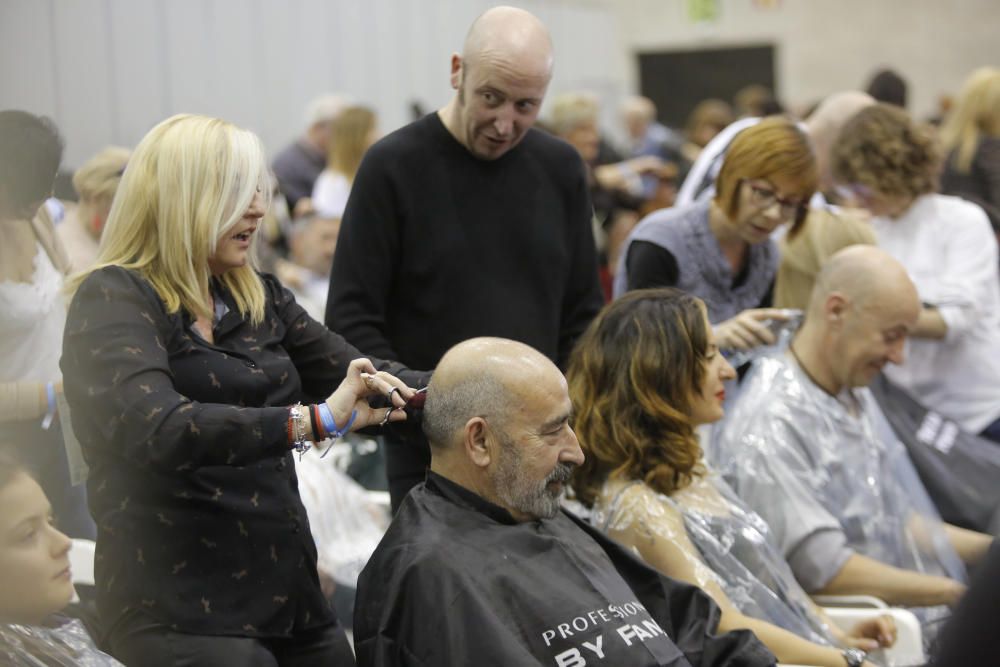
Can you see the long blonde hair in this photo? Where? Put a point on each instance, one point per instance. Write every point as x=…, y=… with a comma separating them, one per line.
x=189, y=180
x=976, y=114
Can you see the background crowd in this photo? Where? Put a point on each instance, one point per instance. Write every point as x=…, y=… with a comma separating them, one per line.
x=183, y=329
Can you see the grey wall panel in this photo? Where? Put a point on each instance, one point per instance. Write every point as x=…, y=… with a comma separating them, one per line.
x=85, y=111
x=108, y=70
x=140, y=94
x=27, y=67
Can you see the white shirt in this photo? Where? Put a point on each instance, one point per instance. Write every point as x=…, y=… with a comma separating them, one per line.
x=32, y=317
x=330, y=193
x=950, y=252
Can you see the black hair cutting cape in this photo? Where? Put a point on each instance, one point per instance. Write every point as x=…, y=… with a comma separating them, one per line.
x=457, y=581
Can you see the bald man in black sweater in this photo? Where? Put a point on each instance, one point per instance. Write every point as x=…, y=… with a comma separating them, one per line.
x=467, y=223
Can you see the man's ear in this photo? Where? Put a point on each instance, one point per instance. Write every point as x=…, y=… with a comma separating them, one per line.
x=456, y=71
x=476, y=443
x=836, y=309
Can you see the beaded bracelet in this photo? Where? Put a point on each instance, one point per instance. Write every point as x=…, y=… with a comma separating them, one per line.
x=297, y=430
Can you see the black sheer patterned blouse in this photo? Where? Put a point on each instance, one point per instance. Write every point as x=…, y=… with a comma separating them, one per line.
x=192, y=485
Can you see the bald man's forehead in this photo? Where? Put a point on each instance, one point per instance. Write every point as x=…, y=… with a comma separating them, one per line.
x=506, y=360
x=509, y=33
x=541, y=396
x=892, y=305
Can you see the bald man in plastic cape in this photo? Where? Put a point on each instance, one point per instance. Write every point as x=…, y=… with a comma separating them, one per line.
x=807, y=447
x=482, y=567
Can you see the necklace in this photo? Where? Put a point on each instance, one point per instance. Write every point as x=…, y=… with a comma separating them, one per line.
x=802, y=367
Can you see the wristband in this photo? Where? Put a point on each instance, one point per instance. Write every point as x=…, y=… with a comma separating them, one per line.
x=331, y=426
x=347, y=426
x=326, y=417
x=318, y=431
x=50, y=413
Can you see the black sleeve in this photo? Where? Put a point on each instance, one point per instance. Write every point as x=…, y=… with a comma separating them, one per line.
x=365, y=260
x=321, y=356
x=584, y=296
x=120, y=387
x=651, y=265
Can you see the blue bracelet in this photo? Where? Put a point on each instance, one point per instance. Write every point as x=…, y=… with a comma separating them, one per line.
x=330, y=426
x=50, y=396
x=347, y=426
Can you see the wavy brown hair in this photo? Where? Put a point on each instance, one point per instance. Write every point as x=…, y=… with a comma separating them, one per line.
x=884, y=149
x=631, y=379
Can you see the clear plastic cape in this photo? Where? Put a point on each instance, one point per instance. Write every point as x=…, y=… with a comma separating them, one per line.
x=723, y=541
x=819, y=468
x=68, y=645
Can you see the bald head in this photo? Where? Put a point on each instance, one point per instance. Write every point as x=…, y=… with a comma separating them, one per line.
x=509, y=34
x=866, y=276
x=825, y=123
x=863, y=307
x=480, y=377
x=500, y=80
x=497, y=418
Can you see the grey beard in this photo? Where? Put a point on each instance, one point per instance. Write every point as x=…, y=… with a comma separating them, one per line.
x=535, y=500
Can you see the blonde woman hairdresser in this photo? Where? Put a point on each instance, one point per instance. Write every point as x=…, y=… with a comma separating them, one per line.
x=192, y=378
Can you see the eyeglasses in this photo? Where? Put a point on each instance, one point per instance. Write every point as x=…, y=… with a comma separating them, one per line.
x=764, y=198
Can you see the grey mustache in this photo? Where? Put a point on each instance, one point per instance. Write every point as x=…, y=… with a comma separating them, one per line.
x=561, y=473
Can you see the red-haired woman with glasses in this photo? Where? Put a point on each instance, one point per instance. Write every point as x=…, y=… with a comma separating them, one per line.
x=721, y=250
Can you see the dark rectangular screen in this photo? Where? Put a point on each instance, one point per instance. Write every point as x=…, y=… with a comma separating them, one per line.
x=677, y=80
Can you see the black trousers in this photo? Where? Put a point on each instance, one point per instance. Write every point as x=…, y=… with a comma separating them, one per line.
x=136, y=639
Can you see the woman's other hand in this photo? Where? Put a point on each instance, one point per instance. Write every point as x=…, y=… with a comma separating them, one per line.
x=749, y=329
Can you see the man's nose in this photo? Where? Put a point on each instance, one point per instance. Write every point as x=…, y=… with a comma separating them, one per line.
x=897, y=354
x=573, y=453
x=504, y=122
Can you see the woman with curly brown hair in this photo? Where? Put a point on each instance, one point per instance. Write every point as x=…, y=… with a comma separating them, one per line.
x=642, y=378
x=888, y=163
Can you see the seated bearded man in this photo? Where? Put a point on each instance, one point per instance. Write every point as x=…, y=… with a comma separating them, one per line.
x=482, y=567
